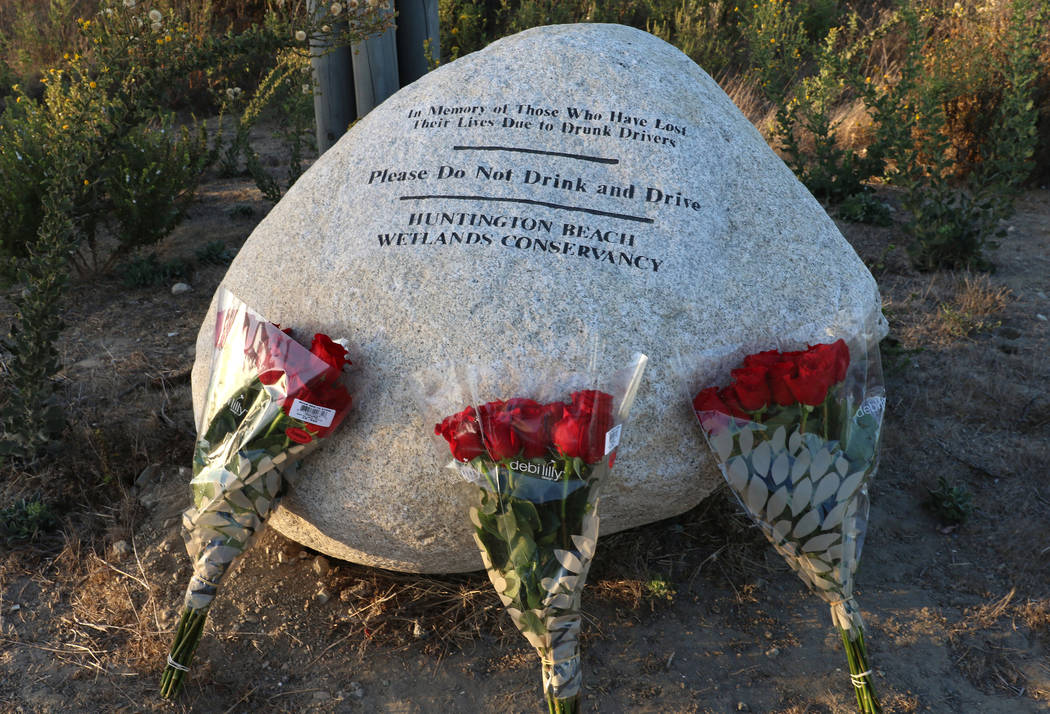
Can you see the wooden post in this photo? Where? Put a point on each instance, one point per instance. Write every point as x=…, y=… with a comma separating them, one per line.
x=352, y=81
x=417, y=22
x=334, y=102
x=375, y=70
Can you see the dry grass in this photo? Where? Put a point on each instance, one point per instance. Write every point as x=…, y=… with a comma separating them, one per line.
x=943, y=308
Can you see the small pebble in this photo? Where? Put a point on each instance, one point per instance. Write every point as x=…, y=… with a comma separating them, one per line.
x=742, y=707
x=321, y=566
x=15, y=608
x=180, y=288
x=356, y=690
x=417, y=631
x=1040, y=317
x=323, y=596
x=772, y=652
x=121, y=548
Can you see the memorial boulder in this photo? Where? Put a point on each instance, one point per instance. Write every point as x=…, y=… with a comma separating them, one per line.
x=564, y=182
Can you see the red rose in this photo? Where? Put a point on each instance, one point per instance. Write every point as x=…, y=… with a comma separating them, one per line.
x=751, y=387
x=331, y=353
x=811, y=384
x=325, y=394
x=841, y=353
x=569, y=435
x=763, y=359
x=463, y=434
x=271, y=376
x=581, y=430
x=531, y=422
x=732, y=401
x=707, y=400
x=499, y=438
x=298, y=435
x=778, y=387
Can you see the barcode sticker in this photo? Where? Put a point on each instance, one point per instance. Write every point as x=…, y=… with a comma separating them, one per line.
x=612, y=438
x=311, y=413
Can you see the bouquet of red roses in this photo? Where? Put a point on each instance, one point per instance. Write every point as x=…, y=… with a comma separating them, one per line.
x=539, y=467
x=796, y=436
x=269, y=401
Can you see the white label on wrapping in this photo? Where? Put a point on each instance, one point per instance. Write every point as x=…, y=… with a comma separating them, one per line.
x=311, y=413
x=612, y=438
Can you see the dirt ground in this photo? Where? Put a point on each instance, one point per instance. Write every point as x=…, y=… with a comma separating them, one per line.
x=693, y=614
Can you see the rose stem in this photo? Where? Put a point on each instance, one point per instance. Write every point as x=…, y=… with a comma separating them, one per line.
x=564, y=498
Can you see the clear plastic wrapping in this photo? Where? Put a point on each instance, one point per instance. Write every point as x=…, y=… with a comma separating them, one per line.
x=270, y=400
x=538, y=455
x=796, y=434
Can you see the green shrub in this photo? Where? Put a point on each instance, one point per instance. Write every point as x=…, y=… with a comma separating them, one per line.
x=808, y=135
x=951, y=504
x=957, y=125
x=215, y=252
x=31, y=416
x=288, y=89
x=27, y=519
x=149, y=271
x=777, y=45
x=865, y=207
x=138, y=170
x=703, y=29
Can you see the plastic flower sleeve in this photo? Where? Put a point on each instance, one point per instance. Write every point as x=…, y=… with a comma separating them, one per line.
x=270, y=400
x=796, y=434
x=538, y=458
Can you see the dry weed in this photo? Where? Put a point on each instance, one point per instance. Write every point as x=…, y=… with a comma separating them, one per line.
x=944, y=309
x=983, y=648
x=973, y=309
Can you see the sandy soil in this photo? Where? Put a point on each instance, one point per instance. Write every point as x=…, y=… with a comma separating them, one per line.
x=694, y=614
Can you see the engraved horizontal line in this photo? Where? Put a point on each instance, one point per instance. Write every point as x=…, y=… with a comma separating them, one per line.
x=523, y=150
x=533, y=202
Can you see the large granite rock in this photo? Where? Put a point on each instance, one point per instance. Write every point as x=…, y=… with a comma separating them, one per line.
x=569, y=179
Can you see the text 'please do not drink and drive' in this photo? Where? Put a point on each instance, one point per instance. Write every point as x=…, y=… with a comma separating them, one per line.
x=510, y=184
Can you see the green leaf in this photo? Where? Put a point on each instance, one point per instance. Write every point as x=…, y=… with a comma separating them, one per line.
x=507, y=525
x=528, y=622
x=862, y=439
x=578, y=466
x=513, y=583
x=527, y=515
x=489, y=503
x=522, y=551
